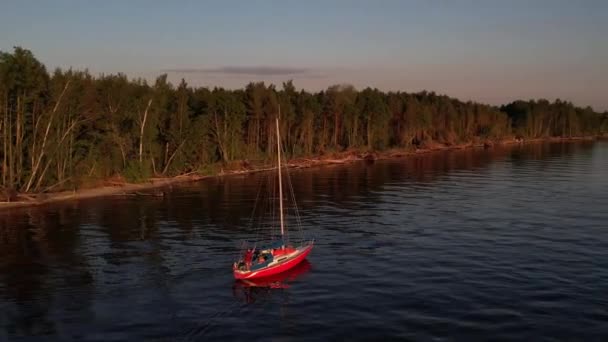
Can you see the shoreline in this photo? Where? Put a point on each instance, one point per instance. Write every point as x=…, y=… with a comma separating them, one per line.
x=344, y=157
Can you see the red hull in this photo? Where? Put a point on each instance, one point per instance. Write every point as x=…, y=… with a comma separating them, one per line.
x=276, y=269
x=280, y=280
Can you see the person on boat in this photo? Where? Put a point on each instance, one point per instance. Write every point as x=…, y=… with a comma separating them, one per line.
x=248, y=257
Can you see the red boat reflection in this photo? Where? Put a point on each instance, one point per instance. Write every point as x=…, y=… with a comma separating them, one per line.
x=252, y=290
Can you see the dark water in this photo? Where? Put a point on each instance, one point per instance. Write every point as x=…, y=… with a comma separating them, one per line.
x=500, y=244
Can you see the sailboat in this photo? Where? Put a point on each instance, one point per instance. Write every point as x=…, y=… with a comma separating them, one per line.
x=277, y=256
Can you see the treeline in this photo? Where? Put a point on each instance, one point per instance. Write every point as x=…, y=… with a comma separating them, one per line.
x=69, y=128
x=538, y=119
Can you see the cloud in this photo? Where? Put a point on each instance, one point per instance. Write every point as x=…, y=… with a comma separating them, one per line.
x=244, y=70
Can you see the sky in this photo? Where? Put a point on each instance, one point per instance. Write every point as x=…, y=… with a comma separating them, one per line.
x=481, y=50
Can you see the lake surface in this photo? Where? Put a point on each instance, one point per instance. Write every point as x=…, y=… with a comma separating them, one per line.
x=507, y=243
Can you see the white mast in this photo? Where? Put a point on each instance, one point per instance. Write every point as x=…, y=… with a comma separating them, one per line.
x=280, y=181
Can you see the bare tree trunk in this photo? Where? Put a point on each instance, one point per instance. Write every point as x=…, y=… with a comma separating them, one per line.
x=66, y=158
x=172, y=156
x=20, y=136
x=166, y=153
x=369, y=132
x=141, y=132
x=153, y=165
x=18, y=152
x=336, y=127
x=120, y=143
x=42, y=175
x=35, y=122
x=63, y=137
x=59, y=166
x=218, y=137
x=124, y=156
x=70, y=155
x=46, y=133
x=257, y=144
x=10, y=151
x=5, y=145
x=2, y=130
x=225, y=135
x=34, y=110
x=311, y=135
x=324, y=132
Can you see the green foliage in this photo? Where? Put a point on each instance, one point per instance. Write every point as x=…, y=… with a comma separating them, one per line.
x=541, y=118
x=209, y=169
x=136, y=172
x=70, y=128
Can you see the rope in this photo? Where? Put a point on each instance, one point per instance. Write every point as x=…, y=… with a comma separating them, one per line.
x=295, y=204
x=255, y=206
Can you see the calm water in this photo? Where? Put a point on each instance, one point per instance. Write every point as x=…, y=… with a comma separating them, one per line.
x=503, y=244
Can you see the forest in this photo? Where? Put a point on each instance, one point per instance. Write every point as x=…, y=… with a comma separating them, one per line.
x=68, y=129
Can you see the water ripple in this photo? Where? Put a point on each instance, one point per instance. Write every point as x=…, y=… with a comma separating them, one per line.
x=478, y=244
